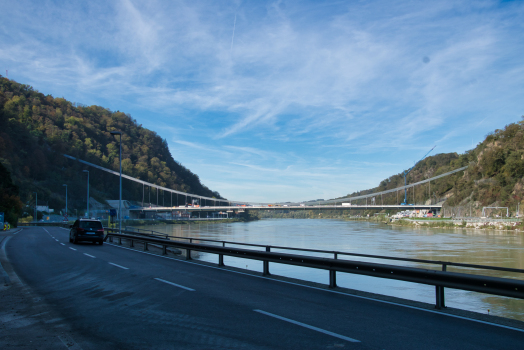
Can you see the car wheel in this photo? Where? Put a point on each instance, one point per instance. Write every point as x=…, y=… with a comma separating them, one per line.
x=101, y=242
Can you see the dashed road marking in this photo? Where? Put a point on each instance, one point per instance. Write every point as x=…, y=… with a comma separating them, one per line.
x=122, y=267
x=309, y=327
x=72, y=248
x=89, y=255
x=174, y=284
x=62, y=243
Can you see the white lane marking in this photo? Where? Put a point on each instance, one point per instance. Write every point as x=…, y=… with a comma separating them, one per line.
x=56, y=240
x=62, y=243
x=309, y=327
x=89, y=255
x=174, y=284
x=46, y=231
x=72, y=248
x=329, y=291
x=122, y=267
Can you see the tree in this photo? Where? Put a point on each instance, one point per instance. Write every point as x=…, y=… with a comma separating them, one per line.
x=10, y=203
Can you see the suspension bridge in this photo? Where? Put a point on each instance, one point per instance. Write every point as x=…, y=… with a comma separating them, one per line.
x=197, y=203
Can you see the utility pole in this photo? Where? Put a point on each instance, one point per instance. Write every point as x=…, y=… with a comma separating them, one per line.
x=120, y=195
x=66, y=201
x=87, y=171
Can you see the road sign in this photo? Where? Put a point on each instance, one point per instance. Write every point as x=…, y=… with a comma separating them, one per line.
x=112, y=212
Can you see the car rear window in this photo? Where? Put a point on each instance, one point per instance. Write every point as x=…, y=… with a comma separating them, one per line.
x=91, y=224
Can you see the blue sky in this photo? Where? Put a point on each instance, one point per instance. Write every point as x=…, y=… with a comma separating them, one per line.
x=282, y=100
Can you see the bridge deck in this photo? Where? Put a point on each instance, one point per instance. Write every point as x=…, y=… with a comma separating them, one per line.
x=307, y=207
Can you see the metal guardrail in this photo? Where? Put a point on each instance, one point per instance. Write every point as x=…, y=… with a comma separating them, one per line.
x=145, y=232
x=440, y=279
x=40, y=223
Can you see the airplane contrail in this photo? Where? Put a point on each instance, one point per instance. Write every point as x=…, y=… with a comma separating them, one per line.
x=233, y=38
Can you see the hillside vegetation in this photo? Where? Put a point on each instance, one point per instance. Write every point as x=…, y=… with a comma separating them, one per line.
x=494, y=177
x=36, y=129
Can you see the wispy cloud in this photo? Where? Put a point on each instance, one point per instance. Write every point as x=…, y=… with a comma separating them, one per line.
x=282, y=85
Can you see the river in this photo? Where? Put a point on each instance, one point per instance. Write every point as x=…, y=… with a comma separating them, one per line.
x=494, y=248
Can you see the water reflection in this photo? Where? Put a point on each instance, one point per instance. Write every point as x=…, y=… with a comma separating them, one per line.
x=494, y=248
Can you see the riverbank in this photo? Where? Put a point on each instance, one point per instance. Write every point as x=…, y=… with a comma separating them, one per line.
x=469, y=223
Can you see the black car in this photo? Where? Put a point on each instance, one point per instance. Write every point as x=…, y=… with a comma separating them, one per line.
x=87, y=230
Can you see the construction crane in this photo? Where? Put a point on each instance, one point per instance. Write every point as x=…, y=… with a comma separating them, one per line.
x=408, y=171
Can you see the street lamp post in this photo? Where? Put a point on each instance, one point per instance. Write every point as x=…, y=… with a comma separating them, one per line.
x=120, y=195
x=36, y=207
x=66, y=201
x=87, y=171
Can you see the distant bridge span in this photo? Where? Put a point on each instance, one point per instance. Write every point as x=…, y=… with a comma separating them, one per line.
x=291, y=207
x=264, y=206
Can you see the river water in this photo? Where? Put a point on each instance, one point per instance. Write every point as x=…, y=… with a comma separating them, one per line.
x=494, y=248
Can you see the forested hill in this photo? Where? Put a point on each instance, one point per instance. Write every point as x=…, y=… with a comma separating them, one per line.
x=36, y=129
x=495, y=175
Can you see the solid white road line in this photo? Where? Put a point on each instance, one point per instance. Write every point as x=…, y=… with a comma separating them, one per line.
x=89, y=255
x=174, y=284
x=72, y=248
x=309, y=327
x=125, y=268
x=62, y=243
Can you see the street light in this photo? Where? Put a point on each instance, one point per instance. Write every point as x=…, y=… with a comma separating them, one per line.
x=120, y=196
x=66, y=202
x=87, y=171
x=36, y=207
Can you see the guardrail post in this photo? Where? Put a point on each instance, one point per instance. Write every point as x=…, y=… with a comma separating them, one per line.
x=266, y=264
x=440, y=302
x=131, y=243
x=111, y=239
x=120, y=240
x=333, y=275
x=145, y=246
x=164, y=250
x=188, y=251
x=221, y=256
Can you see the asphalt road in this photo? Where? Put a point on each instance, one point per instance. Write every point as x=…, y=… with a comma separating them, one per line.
x=109, y=297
